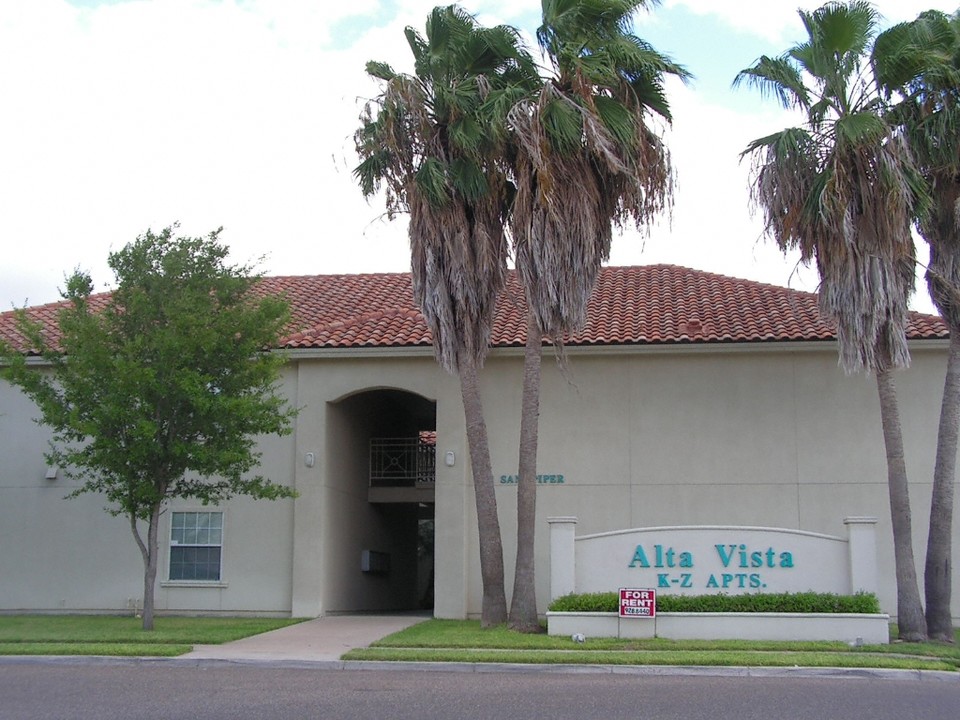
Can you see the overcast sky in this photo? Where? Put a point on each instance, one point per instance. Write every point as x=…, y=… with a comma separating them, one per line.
x=123, y=115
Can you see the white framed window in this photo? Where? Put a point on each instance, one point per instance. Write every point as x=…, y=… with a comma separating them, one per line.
x=196, y=546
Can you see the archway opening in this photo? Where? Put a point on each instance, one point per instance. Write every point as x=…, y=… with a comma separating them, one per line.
x=379, y=508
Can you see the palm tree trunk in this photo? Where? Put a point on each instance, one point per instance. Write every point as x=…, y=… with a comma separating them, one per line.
x=494, y=608
x=937, y=571
x=523, y=607
x=910, y=618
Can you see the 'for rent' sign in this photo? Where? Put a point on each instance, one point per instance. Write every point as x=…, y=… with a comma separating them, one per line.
x=635, y=603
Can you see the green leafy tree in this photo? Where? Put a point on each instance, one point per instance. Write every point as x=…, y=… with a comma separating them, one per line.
x=159, y=390
x=919, y=64
x=435, y=141
x=586, y=158
x=842, y=188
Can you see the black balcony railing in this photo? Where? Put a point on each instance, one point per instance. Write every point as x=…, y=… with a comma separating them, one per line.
x=403, y=462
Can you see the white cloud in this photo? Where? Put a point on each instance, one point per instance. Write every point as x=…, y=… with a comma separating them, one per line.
x=140, y=114
x=241, y=113
x=777, y=20
x=766, y=18
x=712, y=228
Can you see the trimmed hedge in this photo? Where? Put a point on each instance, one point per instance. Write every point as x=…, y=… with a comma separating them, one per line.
x=807, y=602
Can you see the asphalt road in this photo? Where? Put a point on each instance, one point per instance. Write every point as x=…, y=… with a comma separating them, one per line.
x=132, y=692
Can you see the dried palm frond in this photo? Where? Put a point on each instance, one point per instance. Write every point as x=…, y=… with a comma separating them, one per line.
x=435, y=142
x=844, y=188
x=587, y=159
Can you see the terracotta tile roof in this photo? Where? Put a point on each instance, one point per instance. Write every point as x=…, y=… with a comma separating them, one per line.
x=648, y=305
x=46, y=315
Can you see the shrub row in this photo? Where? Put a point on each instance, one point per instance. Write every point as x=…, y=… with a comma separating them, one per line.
x=806, y=602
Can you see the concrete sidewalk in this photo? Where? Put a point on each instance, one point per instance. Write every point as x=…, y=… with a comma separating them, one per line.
x=322, y=639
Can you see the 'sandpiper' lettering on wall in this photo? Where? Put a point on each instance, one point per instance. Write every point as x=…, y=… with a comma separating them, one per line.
x=732, y=566
x=541, y=479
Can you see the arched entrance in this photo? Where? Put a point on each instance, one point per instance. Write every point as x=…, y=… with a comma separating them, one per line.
x=379, y=509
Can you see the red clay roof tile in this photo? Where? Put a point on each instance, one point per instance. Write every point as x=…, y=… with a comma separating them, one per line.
x=648, y=305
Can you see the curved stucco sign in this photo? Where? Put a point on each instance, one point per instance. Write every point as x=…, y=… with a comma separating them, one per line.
x=715, y=558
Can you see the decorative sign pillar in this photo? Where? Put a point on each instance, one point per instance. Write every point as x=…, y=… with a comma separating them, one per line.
x=562, y=556
x=862, y=532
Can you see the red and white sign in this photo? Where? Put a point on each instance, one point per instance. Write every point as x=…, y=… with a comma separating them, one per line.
x=637, y=603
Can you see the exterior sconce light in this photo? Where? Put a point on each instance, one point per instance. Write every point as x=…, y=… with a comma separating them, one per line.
x=309, y=459
x=449, y=459
x=51, y=473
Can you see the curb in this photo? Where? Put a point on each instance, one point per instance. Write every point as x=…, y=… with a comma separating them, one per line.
x=482, y=668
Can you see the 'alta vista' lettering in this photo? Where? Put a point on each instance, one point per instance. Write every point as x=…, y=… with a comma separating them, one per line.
x=735, y=566
x=663, y=557
x=742, y=557
x=731, y=556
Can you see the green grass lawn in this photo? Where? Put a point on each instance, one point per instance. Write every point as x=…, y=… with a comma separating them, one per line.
x=123, y=635
x=453, y=641
x=464, y=641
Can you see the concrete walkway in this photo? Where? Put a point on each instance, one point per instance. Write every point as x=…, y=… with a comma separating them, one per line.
x=323, y=639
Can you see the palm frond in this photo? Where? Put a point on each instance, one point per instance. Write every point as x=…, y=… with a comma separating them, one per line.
x=861, y=128
x=634, y=57
x=617, y=119
x=819, y=112
x=784, y=143
x=380, y=70
x=650, y=94
x=896, y=58
x=777, y=78
x=562, y=124
x=431, y=180
x=784, y=179
x=468, y=179
x=843, y=28
x=371, y=171
x=420, y=50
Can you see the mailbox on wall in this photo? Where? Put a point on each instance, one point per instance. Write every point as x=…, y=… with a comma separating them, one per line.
x=376, y=563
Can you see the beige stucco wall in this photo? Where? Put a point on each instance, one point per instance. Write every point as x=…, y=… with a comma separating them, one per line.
x=771, y=435
x=778, y=438
x=70, y=555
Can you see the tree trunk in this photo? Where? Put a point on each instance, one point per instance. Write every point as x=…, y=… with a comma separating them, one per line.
x=494, y=609
x=148, y=551
x=910, y=618
x=937, y=572
x=150, y=576
x=523, y=607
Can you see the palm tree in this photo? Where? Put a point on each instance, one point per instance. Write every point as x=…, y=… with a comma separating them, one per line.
x=586, y=159
x=842, y=189
x=920, y=61
x=433, y=141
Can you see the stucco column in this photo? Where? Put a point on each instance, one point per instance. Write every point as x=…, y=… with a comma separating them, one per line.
x=307, y=579
x=862, y=547
x=452, y=527
x=563, y=564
